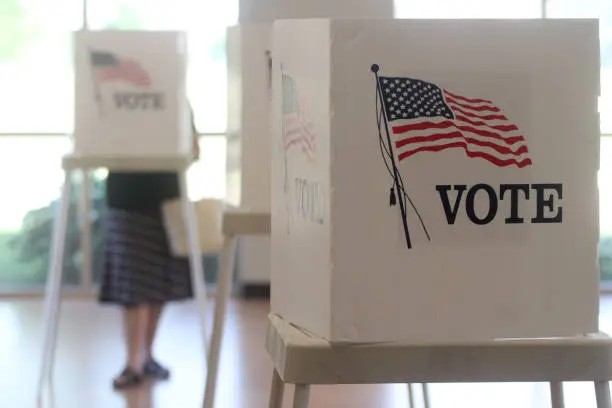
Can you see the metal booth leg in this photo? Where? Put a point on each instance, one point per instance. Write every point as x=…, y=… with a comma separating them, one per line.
x=425, y=388
x=410, y=388
x=277, y=391
x=224, y=288
x=301, y=396
x=556, y=395
x=602, y=394
x=51, y=312
x=195, y=256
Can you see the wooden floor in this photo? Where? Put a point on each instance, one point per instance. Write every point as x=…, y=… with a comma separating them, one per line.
x=90, y=352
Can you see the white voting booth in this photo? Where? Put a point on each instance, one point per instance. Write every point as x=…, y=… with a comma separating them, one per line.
x=249, y=54
x=436, y=181
x=434, y=204
x=249, y=49
x=131, y=114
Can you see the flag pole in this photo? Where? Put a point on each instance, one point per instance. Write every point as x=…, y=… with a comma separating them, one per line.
x=285, y=153
x=396, y=177
x=96, y=85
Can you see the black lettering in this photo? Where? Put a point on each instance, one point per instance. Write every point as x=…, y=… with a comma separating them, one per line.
x=141, y=101
x=547, y=202
x=158, y=101
x=125, y=100
x=305, y=199
x=319, y=204
x=514, y=200
x=451, y=214
x=269, y=61
x=470, y=207
x=298, y=195
x=144, y=101
x=132, y=101
x=119, y=99
x=309, y=200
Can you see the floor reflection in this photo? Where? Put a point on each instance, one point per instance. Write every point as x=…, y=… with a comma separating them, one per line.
x=89, y=354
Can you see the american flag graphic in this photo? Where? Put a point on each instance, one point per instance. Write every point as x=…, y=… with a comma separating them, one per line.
x=425, y=117
x=108, y=67
x=297, y=128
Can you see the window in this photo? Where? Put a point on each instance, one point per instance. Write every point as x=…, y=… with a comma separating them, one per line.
x=36, y=74
x=206, y=177
x=30, y=178
x=605, y=210
x=601, y=9
x=468, y=9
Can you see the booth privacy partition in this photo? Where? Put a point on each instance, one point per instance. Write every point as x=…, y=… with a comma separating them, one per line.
x=441, y=174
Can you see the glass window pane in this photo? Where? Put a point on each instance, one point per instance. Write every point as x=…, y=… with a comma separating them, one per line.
x=205, y=21
x=601, y=9
x=605, y=209
x=468, y=9
x=206, y=177
x=31, y=177
x=36, y=72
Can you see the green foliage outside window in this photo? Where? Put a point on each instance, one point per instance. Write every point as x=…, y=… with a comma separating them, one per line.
x=15, y=32
x=33, y=243
x=127, y=19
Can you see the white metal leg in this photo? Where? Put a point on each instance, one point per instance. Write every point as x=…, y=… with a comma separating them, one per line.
x=410, y=395
x=301, y=396
x=425, y=388
x=224, y=288
x=84, y=211
x=556, y=395
x=195, y=256
x=54, y=285
x=277, y=391
x=602, y=394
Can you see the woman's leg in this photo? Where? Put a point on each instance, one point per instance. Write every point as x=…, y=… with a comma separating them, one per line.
x=135, y=322
x=151, y=367
x=155, y=311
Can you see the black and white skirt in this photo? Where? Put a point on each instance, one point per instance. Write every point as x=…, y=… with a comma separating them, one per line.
x=138, y=266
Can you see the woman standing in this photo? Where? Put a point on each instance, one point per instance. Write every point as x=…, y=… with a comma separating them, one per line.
x=140, y=274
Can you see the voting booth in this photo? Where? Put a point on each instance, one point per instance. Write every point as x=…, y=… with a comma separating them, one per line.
x=130, y=94
x=249, y=92
x=435, y=181
x=249, y=59
x=131, y=114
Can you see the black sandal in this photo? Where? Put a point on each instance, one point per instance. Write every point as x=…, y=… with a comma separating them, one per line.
x=152, y=369
x=127, y=379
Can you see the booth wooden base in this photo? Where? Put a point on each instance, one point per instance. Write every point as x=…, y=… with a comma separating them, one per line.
x=304, y=359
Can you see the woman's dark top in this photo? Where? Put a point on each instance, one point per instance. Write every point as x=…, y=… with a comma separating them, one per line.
x=140, y=192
